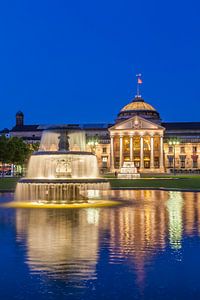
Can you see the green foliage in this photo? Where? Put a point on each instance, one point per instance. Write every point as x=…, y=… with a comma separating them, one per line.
x=21, y=151
x=3, y=149
x=34, y=147
x=13, y=150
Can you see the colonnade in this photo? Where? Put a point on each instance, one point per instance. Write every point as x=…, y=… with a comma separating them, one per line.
x=131, y=139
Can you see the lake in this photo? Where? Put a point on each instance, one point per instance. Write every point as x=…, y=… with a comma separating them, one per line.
x=146, y=248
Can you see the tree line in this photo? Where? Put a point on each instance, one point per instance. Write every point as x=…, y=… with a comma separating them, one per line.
x=14, y=151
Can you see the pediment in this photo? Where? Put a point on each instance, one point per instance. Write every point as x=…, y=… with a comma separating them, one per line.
x=136, y=123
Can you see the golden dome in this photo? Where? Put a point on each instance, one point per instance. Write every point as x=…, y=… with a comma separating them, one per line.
x=138, y=105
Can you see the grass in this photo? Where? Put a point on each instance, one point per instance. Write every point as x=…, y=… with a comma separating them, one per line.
x=173, y=182
x=158, y=175
x=147, y=181
x=8, y=183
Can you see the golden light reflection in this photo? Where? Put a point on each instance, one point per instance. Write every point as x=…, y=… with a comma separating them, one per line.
x=66, y=244
x=175, y=206
x=60, y=244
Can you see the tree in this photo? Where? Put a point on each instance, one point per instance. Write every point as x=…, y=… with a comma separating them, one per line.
x=4, y=153
x=20, y=151
x=34, y=146
x=14, y=151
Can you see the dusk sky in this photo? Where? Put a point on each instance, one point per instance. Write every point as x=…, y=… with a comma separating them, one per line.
x=75, y=61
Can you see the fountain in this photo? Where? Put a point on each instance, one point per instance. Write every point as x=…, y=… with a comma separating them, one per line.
x=62, y=170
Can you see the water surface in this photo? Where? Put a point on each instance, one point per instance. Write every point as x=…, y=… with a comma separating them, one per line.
x=147, y=248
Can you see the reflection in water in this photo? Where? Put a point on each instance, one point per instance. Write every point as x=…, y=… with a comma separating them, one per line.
x=61, y=244
x=93, y=216
x=67, y=244
x=137, y=232
x=175, y=205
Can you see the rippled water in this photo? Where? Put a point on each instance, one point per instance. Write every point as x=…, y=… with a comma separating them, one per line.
x=147, y=248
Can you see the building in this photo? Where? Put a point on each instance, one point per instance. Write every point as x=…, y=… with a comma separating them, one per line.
x=138, y=134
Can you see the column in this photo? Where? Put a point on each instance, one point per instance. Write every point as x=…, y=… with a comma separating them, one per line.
x=152, y=152
x=131, y=148
x=141, y=152
x=161, y=152
x=112, y=166
x=121, y=151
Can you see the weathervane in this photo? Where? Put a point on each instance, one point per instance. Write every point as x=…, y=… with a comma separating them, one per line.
x=139, y=81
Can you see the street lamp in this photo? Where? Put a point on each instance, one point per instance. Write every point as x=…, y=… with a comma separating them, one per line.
x=173, y=143
x=93, y=144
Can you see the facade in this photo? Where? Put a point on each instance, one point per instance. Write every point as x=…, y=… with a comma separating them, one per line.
x=138, y=140
x=139, y=135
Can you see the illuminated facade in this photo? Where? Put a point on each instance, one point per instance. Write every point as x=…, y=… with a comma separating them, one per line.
x=139, y=140
x=137, y=135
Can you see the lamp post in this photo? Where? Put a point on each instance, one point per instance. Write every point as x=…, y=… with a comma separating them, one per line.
x=93, y=144
x=173, y=143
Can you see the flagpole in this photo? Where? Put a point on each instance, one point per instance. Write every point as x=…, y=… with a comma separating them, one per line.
x=138, y=85
x=138, y=89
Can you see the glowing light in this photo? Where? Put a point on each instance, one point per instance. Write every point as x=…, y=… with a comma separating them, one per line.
x=174, y=206
x=93, y=216
x=93, y=203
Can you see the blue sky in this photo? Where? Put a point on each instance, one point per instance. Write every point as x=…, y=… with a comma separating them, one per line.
x=75, y=61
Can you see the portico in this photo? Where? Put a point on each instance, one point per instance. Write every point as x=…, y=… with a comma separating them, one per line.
x=140, y=141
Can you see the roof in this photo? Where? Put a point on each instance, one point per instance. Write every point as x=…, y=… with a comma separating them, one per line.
x=103, y=126
x=26, y=128
x=96, y=126
x=138, y=104
x=93, y=126
x=5, y=130
x=181, y=125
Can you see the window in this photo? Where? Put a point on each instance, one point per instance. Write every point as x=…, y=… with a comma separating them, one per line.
x=104, y=162
x=137, y=164
x=147, y=164
x=195, y=161
x=170, y=149
x=182, y=161
x=156, y=162
x=182, y=164
x=194, y=149
x=182, y=149
x=170, y=161
x=194, y=165
x=104, y=150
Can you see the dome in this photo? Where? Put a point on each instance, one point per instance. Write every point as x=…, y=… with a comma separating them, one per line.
x=138, y=107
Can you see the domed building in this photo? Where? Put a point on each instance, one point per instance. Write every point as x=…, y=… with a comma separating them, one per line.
x=137, y=136
x=138, y=107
